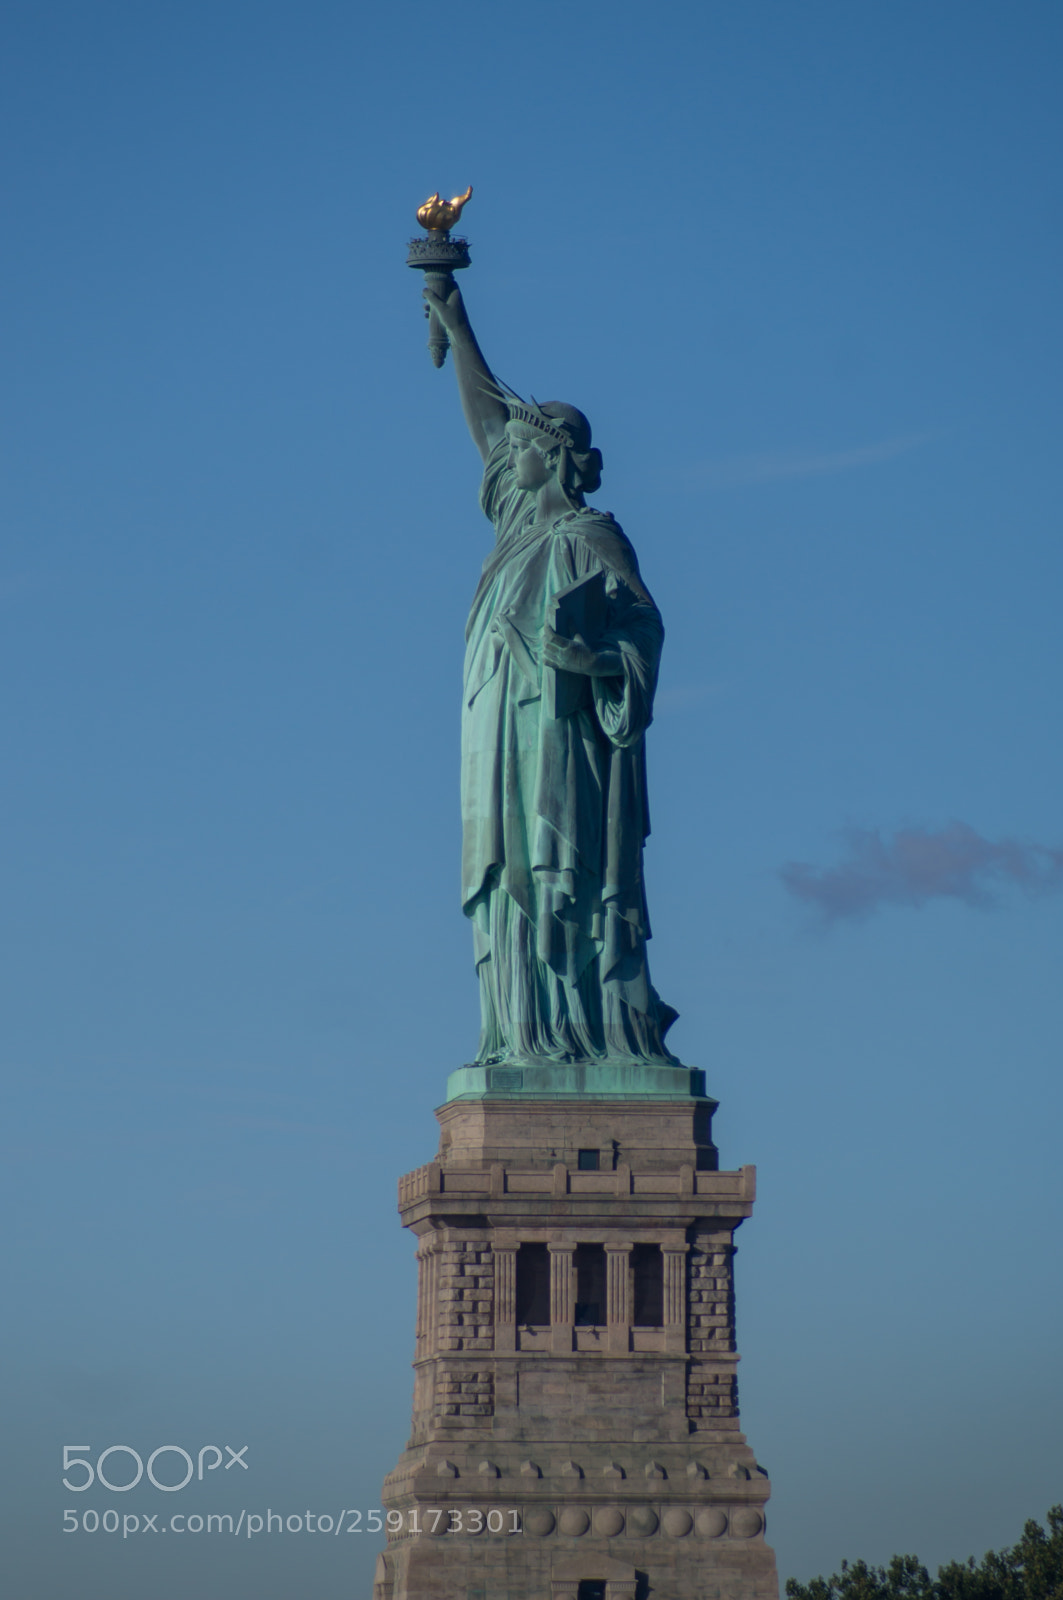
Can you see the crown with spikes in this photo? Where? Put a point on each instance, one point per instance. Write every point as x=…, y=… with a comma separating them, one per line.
x=527, y=411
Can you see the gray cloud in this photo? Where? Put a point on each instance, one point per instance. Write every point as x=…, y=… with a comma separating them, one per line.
x=764, y=467
x=917, y=865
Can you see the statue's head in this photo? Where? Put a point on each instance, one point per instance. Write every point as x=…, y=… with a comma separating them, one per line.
x=562, y=435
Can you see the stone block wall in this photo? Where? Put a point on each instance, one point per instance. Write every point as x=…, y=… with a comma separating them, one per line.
x=466, y=1295
x=464, y=1393
x=712, y=1397
x=710, y=1296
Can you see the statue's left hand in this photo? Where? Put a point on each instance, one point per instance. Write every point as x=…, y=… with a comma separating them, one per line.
x=575, y=655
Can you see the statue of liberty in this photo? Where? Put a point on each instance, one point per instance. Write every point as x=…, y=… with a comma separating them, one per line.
x=563, y=647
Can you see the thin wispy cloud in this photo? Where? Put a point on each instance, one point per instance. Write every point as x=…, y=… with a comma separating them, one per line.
x=917, y=865
x=765, y=467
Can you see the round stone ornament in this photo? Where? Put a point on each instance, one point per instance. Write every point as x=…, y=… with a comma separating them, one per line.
x=642, y=1522
x=539, y=1521
x=609, y=1521
x=746, y=1523
x=677, y=1522
x=574, y=1521
x=710, y=1523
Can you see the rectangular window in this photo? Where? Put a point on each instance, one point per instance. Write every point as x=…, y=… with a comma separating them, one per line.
x=533, y=1285
x=590, y=1285
x=647, y=1271
x=589, y=1160
x=592, y=1589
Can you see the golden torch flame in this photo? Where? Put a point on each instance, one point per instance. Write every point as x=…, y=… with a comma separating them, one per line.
x=439, y=216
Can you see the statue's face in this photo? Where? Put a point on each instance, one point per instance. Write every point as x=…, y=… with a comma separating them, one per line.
x=526, y=460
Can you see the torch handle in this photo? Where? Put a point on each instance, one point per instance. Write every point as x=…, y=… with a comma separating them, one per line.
x=438, y=343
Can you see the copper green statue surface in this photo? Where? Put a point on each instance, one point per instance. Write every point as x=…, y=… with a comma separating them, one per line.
x=563, y=646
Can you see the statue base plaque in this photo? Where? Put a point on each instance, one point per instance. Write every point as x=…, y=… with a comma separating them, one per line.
x=575, y=1415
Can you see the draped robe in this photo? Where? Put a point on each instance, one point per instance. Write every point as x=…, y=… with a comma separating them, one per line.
x=554, y=810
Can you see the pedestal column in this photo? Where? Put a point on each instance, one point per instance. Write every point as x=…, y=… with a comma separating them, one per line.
x=618, y=1296
x=505, y=1298
x=675, y=1296
x=427, y=1296
x=562, y=1313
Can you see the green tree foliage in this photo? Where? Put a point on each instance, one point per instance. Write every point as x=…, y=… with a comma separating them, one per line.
x=1029, y=1570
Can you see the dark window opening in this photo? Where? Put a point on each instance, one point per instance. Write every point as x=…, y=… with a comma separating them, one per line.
x=647, y=1269
x=590, y=1285
x=591, y=1589
x=589, y=1160
x=533, y=1285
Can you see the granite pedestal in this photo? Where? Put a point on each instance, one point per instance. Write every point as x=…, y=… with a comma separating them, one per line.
x=575, y=1414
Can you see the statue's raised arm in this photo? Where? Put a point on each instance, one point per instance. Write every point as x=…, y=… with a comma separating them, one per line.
x=485, y=411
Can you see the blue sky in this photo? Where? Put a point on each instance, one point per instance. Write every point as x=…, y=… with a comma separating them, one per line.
x=800, y=266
